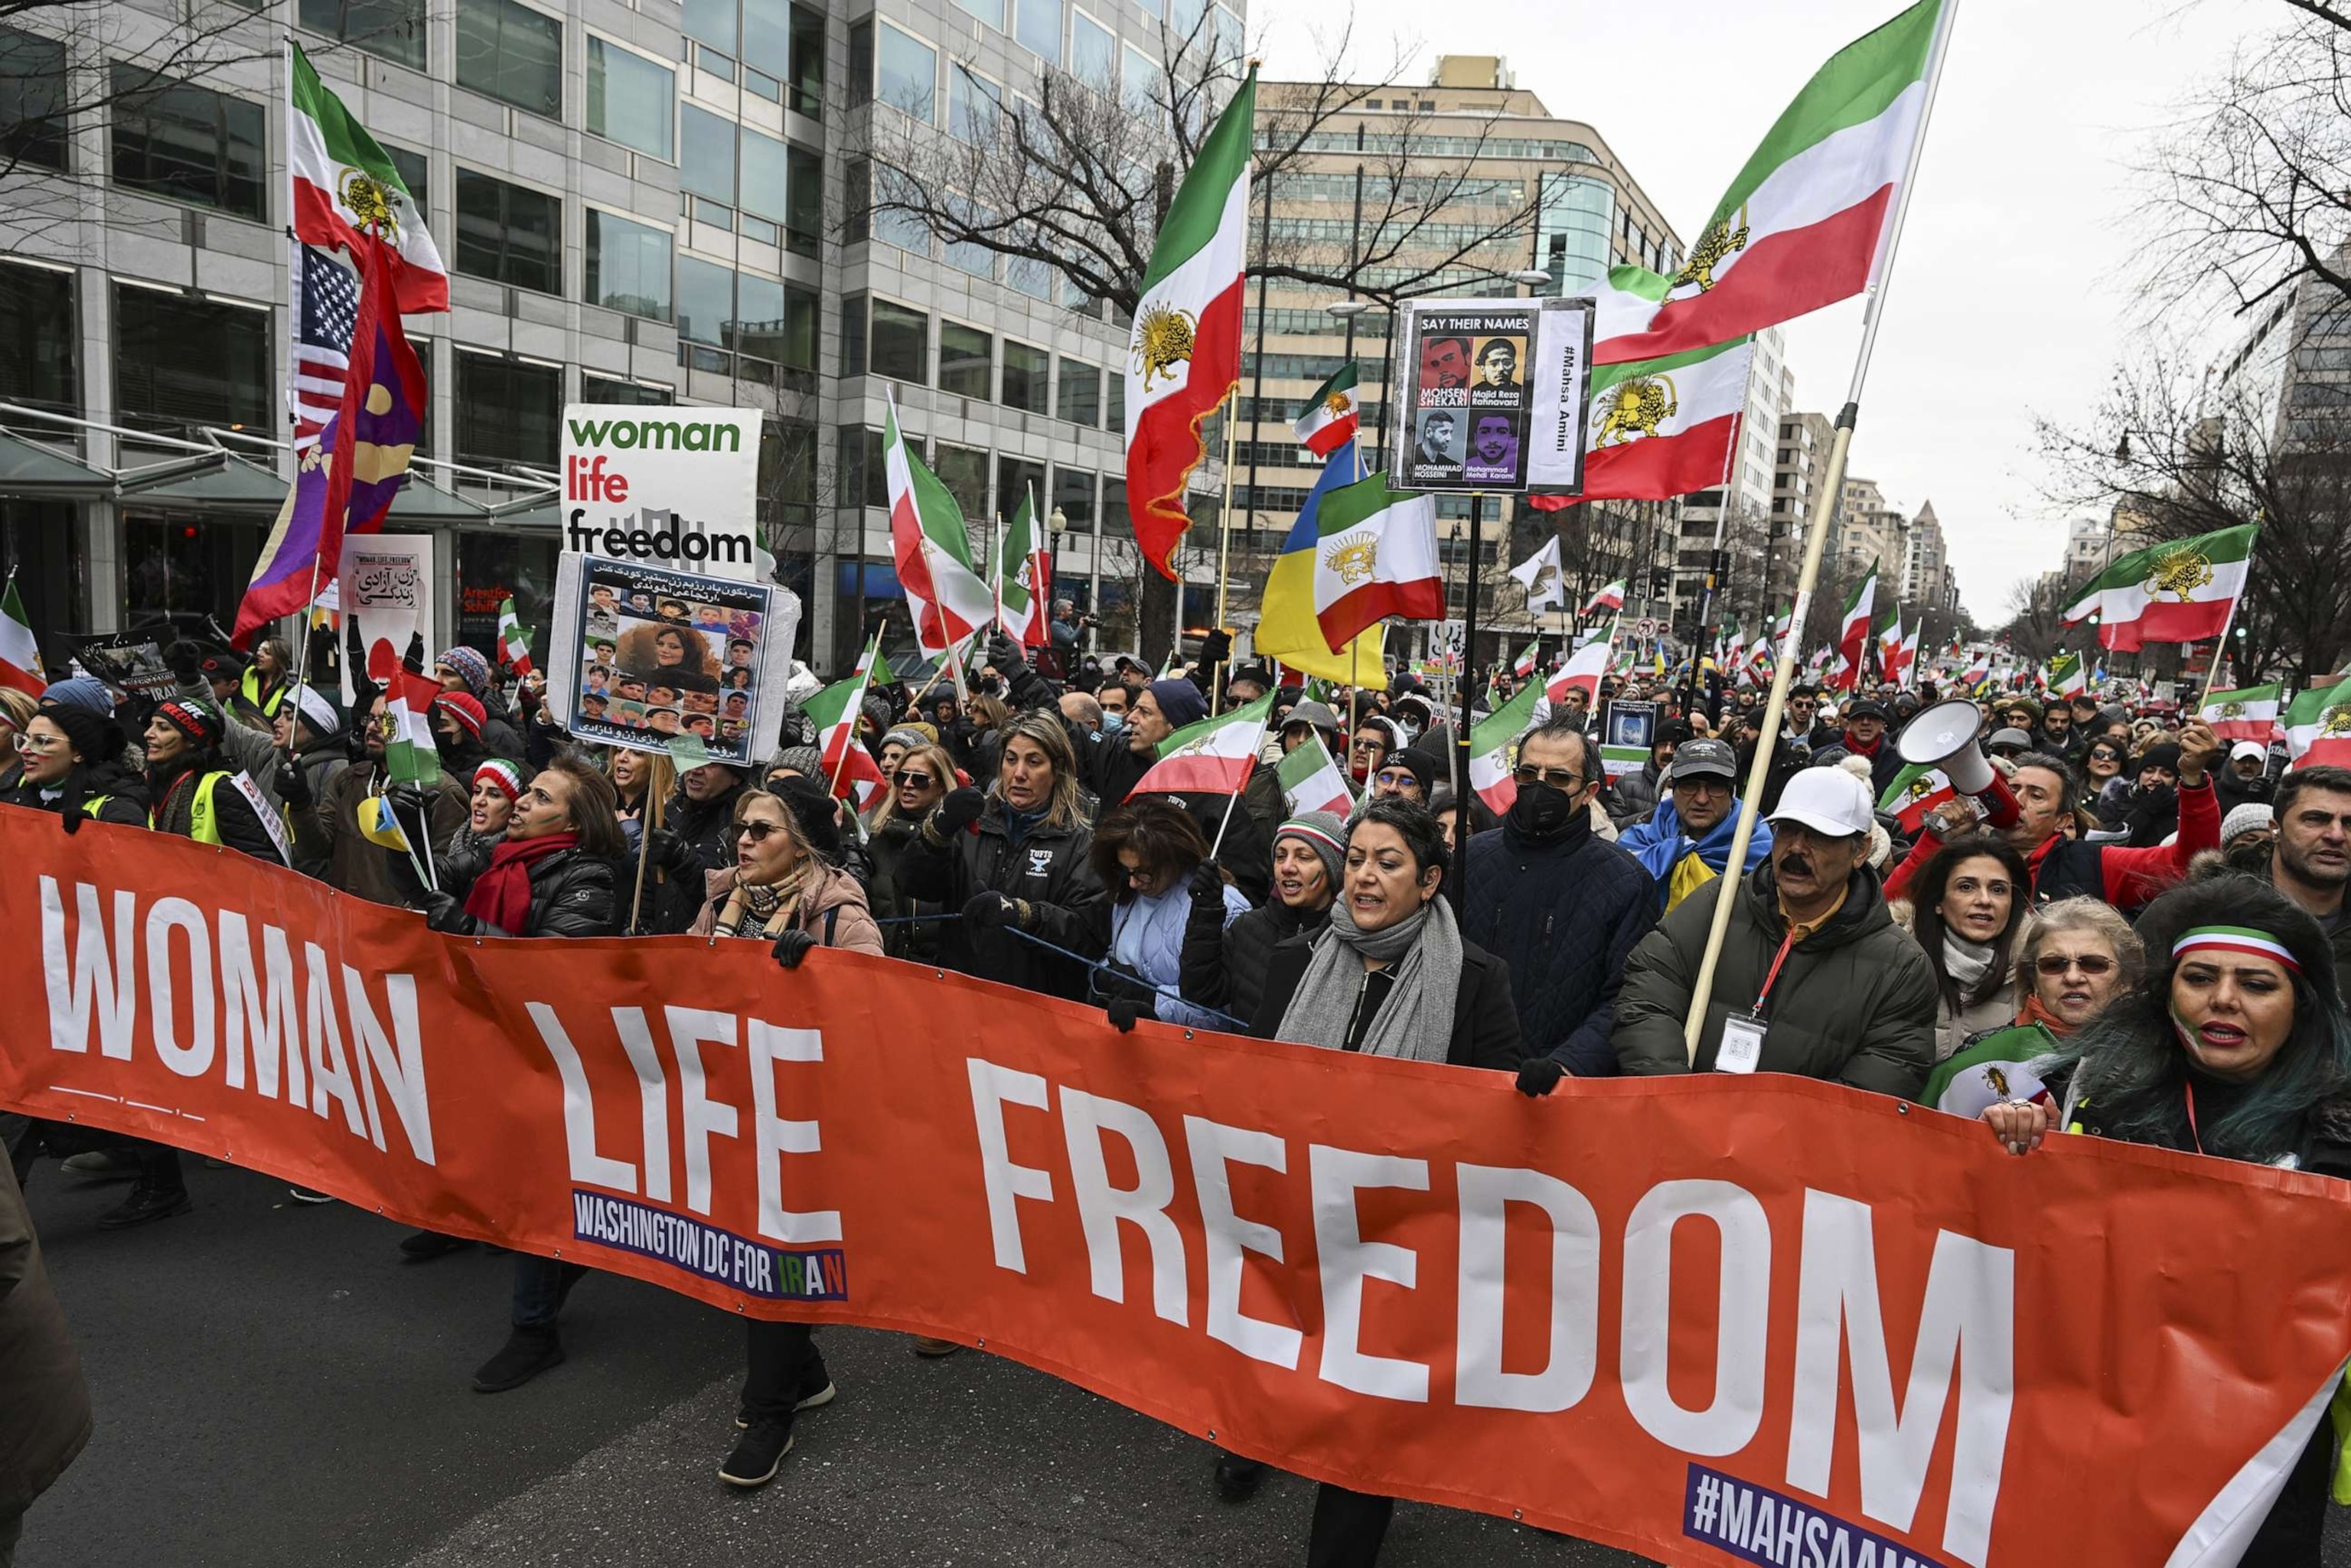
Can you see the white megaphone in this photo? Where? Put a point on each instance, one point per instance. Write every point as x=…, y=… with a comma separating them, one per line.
x=1944, y=737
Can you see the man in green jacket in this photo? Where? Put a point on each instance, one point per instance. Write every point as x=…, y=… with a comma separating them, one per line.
x=1815, y=979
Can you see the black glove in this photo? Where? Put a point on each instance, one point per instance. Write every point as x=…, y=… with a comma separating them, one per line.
x=293, y=788
x=1208, y=884
x=322, y=648
x=413, y=660
x=959, y=811
x=1539, y=1075
x=1123, y=1014
x=1005, y=655
x=444, y=913
x=792, y=947
x=409, y=799
x=664, y=851
x=354, y=645
x=992, y=908
x=71, y=818
x=1216, y=648
x=186, y=659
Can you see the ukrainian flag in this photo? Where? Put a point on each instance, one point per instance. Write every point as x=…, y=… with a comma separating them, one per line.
x=1287, y=629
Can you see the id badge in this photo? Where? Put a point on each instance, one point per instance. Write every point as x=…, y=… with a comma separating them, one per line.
x=1741, y=1050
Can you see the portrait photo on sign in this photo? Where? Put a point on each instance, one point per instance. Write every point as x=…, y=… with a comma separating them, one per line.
x=1632, y=723
x=1445, y=363
x=1499, y=364
x=1436, y=444
x=1493, y=454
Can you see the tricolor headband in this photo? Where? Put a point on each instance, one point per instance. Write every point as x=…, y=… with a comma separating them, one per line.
x=2234, y=939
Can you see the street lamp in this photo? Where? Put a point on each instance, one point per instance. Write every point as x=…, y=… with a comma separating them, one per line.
x=1528, y=278
x=1347, y=310
x=1057, y=523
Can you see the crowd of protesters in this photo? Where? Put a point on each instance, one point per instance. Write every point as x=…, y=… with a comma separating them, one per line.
x=2063, y=918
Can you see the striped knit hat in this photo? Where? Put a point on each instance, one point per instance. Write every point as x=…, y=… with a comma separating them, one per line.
x=502, y=773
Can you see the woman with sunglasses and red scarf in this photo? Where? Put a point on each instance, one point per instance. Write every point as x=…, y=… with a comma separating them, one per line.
x=551, y=876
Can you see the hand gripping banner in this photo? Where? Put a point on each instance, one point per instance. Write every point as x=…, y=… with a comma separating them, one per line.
x=1712, y=1319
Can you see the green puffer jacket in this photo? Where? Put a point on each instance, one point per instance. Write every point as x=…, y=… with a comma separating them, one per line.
x=1855, y=1003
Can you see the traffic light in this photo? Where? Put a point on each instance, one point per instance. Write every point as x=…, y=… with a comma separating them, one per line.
x=1661, y=581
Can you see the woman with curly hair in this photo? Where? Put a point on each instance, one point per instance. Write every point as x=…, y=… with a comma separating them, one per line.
x=2234, y=1045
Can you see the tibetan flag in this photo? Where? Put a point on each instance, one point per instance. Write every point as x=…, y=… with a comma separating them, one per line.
x=1803, y=224
x=848, y=768
x=2318, y=727
x=346, y=189
x=2248, y=713
x=1665, y=427
x=1311, y=779
x=409, y=755
x=514, y=643
x=346, y=483
x=1375, y=557
x=1184, y=355
x=1852, y=632
x=930, y=547
x=1332, y=414
x=1915, y=791
x=20, y=652
x=1490, y=743
x=2179, y=593
x=1213, y=756
x=1287, y=629
x=1024, y=579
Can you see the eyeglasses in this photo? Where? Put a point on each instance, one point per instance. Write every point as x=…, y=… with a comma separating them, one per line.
x=756, y=831
x=38, y=742
x=2055, y=964
x=1566, y=779
x=1398, y=778
x=907, y=778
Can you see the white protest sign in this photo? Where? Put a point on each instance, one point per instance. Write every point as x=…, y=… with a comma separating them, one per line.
x=673, y=487
x=385, y=579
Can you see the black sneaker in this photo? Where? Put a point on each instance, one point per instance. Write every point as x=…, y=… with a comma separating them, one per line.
x=1238, y=1479
x=816, y=1391
x=529, y=1352
x=423, y=1246
x=146, y=1203
x=757, y=1452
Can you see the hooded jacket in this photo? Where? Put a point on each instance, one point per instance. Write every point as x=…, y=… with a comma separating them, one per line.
x=1853, y=1003
x=122, y=794
x=1046, y=870
x=1563, y=913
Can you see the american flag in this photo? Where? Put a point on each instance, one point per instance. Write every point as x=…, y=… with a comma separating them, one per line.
x=326, y=305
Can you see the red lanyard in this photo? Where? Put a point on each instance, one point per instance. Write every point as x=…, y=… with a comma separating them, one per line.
x=1785, y=943
x=2188, y=1091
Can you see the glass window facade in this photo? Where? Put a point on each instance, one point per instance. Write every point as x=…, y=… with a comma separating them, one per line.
x=705, y=300
x=603, y=389
x=963, y=472
x=988, y=11
x=967, y=361
x=906, y=71
x=973, y=104
x=901, y=343
x=627, y=266
x=1073, y=492
x=506, y=411
x=509, y=234
x=629, y=99
x=1571, y=230
x=852, y=335
x=1038, y=28
x=180, y=361
x=1093, y=53
x=1025, y=373
x=1017, y=477
x=1081, y=393
x=188, y=143
x=511, y=53
x=706, y=154
x=766, y=175
x=33, y=100
x=393, y=29
x=39, y=354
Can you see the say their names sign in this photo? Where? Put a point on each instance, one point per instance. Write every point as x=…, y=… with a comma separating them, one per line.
x=676, y=486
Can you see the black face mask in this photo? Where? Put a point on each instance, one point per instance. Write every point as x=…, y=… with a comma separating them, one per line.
x=1542, y=813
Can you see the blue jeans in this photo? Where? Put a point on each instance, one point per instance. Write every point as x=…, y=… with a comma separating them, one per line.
x=540, y=1285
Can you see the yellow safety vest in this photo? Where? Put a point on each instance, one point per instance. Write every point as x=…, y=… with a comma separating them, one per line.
x=249, y=687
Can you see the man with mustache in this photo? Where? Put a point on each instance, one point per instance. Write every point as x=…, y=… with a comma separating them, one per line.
x=2310, y=861
x=1815, y=979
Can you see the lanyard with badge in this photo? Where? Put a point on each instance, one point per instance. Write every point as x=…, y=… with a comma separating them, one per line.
x=1741, y=1050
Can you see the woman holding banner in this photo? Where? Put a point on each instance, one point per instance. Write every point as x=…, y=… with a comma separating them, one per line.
x=2234, y=1045
x=781, y=890
x=1014, y=860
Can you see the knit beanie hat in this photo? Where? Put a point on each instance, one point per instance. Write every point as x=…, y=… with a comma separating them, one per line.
x=908, y=736
x=804, y=760
x=929, y=732
x=319, y=711
x=1322, y=833
x=94, y=737
x=880, y=709
x=1425, y=768
x=470, y=667
x=812, y=806
x=2164, y=756
x=195, y=719
x=1180, y=702
x=466, y=710
x=85, y=691
x=2249, y=817
x=502, y=773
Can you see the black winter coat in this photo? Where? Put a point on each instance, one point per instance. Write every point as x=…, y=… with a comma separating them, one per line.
x=705, y=829
x=1225, y=966
x=571, y=894
x=1564, y=913
x=1485, y=1029
x=904, y=935
x=1046, y=870
x=1884, y=763
x=240, y=828
x=124, y=793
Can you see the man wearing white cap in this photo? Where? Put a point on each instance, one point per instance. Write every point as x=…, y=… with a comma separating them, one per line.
x=1815, y=978
x=2245, y=779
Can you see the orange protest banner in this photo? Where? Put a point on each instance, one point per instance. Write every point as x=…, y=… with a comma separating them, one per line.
x=1711, y=1320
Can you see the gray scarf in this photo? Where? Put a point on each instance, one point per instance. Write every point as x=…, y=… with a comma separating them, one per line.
x=1422, y=951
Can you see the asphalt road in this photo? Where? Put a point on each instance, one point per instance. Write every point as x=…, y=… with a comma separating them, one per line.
x=274, y=1386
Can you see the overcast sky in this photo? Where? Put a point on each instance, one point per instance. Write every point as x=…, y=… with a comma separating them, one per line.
x=2010, y=296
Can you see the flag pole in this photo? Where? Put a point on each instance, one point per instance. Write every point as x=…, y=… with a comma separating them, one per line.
x=2219, y=650
x=864, y=682
x=302, y=658
x=1758, y=773
x=1224, y=547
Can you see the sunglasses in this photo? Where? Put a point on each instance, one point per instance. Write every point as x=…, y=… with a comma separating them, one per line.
x=2055, y=964
x=908, y=779
x=1556, y=777
x=756, y=831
